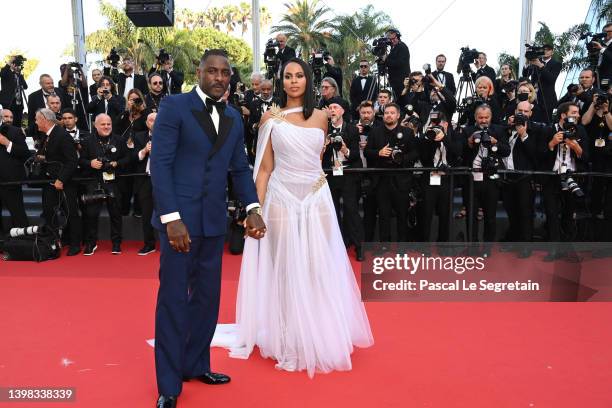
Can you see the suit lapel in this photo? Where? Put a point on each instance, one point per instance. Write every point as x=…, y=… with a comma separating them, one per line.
x=203, y=117
x=225, y=125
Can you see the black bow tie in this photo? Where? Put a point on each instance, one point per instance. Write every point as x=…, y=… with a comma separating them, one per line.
x=128, y=76
x=72, y=132
x=210, y=103
x=363, y=77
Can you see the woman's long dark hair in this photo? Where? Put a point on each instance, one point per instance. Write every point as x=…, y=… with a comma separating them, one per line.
x=309, y=97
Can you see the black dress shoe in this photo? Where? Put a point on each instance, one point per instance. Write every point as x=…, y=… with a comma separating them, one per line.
x=165, y=401
x=74, y=250
x=359, y=253
x=211, y=378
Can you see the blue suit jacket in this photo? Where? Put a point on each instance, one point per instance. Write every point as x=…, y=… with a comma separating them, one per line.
x=190, y=163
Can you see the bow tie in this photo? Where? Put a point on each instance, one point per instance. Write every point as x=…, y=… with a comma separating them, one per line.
x=210, y=103
x=48, y=95
x=363, y=77
x=72, y=132
x=128, y=76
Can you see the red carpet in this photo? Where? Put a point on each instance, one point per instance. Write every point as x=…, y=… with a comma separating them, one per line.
x=84, y=321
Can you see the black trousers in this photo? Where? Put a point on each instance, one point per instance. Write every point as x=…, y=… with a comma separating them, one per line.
x=607, y=211
x=436, y=199
x=17, y=113
x=390, y=197
x=126, y=188
x=485, y=194
x=598, y=193
x=347, y=189
x=370, y=210
x=144, y=191
x=559, y=206
x=11, y=197
x=51, y=198
x=92, y=213
x=519, y=202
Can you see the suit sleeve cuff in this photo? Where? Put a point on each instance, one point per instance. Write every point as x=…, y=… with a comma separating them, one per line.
x=9, y=147
x=251, y=206
x=170, y=217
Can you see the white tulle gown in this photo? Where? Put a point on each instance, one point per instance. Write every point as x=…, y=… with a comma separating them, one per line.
x=298, y=300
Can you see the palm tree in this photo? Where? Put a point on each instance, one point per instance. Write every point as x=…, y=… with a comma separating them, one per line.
x=305, y=25
x=231, y=18
x=216, y=17
x=244, y=17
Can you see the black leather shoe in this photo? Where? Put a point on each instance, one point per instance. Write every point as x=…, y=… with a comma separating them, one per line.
x=211, y=378
x=90, y=249
x=116, y=249
x=359, y=253
x=165, y=401
x=73, y=250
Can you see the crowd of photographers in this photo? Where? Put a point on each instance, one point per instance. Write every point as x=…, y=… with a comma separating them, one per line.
x=505, y=129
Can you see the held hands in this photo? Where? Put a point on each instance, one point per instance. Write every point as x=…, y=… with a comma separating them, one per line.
x=178, y=236
x=254, y=226
x=385, y=151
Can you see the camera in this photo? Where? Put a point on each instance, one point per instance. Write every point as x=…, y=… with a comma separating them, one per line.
x=434, y=126
x=137, y=101
x=380, y=46
x=107, y=151
x=572, y=88
x=366, y=129
x=397, y=149
x=593, y=53
x=25, y=231
x=113, y=58
x=533, y=52
x=569, y=128
x=568, y=183
x=482, y=136
x=411, y=117
x=520, y=119
x=19, y=61
x=163, y=56
x=601, y=99
x=336, y=140
x=99, y=194
x=271, y=58
x=467, y=57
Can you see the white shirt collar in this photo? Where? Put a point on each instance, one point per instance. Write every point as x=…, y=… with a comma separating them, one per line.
x=50, y=130
x=203, y=96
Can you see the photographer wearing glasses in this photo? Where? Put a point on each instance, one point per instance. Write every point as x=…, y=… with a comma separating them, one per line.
x=172, y=79
x=392, y=146
x=517, y=192
x=12, y=87
x=542, y=71
x=101, y=157
x=486, y=145
x=363, y=88
x=439, y=148
x=397, y=61
x=156, y=92
x=565, y=151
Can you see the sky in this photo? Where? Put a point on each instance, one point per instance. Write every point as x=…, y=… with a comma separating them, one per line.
x=429, y=28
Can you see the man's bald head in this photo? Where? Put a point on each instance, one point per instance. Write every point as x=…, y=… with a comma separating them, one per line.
x=524, y=108
x=103, y=125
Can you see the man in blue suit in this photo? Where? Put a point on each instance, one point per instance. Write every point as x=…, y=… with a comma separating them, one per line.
x=197, y=141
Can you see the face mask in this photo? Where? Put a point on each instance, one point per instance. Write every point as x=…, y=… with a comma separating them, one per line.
x=523, y=97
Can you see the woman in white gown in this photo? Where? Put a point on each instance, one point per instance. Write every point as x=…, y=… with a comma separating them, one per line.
x=298, y=300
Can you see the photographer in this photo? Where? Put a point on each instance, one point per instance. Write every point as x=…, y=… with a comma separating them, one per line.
x=517, y=193
x=446, y=79
x=582, y=94
x=598, y=123
x=101, y=157
x=156, y=92
x=416, y=93
x=331, y=71
x=38, y=100
x=565, y=151
x=363, y=88
x=96, y=75
x=364, y=126
x=259, y=105
x=12, y=86
x=482, y=69
x=251, y=94
x=142, y=184
x=605, y=60
x=329, y=91
x=542, y=73
x=527, y=93
x=13, y=154
x=106, y=101
x=384, y=97
x=392, y=146
x=486, y=145
x=285, y=53
x=439, y=148
x=440, y=98
x=397, y=61
x=58, y=158
x=74, y=86
x=485, y=95
x=128, y=79
x=172, y=79
x=342, y=150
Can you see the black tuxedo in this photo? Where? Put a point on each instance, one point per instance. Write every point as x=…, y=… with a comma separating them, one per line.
x=285, y=55
x=140, y=82
x=98, y=106
x=37, y=100
x=605, y=67
x=61, y=164
x=447, y=79
x=544, y=79
x=484, y=71
x=11, y=169
x=9, y=81
x=584, y=100
x=176, y=80
x=392, y=192
x=398, y=67
x=359, y=94
x=153, y=101
x=142, y=186
x=82, y=101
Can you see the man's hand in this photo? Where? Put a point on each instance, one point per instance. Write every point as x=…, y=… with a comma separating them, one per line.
x=96, y=164
x=330, y=61
x=245, y=111
x=58, y=185
x=178, y=237
x=363, y=144
x=493, y=140
x=148, y=147
x=344, y=150
x=521, y=130
x=385, y=151
x=4, y=140
x=556, y=139
x=254, y=226
x=439, y=135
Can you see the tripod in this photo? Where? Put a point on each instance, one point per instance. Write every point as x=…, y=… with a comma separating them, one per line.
x=465, y=89
x=77, y=97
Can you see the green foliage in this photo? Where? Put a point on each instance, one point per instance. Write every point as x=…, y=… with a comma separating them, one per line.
x=230, y=17
x=505, y=58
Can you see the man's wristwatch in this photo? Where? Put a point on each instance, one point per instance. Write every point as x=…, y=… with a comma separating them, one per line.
x=256, y=210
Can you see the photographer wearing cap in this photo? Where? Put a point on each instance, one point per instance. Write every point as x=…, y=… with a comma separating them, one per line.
x=517, y=192
x=12, y=86
x=565, y=151
x=392, y=146
x=101, y=156
x=542, y=73
x=440, y=148
x=597, y=121
x=486, y=145
x=397, y=61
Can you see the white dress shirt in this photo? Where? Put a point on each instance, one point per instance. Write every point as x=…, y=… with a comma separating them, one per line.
x=129, y=84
